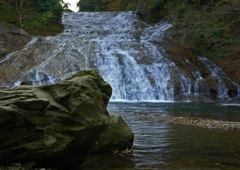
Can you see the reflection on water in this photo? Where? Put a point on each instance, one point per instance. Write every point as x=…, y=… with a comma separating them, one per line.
x=163, y=145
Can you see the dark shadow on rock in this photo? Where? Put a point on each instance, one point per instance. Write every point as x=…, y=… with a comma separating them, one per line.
x=106, y=161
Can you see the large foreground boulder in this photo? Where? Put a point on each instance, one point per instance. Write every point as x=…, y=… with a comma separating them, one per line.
x=115, y=139
x=54, y=122
x=117, y=136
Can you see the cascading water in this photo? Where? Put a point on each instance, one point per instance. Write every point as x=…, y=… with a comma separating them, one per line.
x=116, y=42
x=126, y=52
x=39, y=78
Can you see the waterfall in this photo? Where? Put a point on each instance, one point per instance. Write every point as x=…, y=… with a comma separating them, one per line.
x=117, y=42
x=125, y=50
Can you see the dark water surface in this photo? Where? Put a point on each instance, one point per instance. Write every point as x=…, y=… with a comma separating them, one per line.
x=160, y=144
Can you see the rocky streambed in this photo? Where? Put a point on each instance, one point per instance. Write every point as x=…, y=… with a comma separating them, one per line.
x=207, y=123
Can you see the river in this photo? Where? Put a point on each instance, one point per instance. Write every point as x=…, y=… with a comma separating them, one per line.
x=160, y=144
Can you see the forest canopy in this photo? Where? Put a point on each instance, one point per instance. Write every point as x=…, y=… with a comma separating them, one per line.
x=35, y=16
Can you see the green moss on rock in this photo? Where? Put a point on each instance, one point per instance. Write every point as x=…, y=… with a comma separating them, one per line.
x=59, y=121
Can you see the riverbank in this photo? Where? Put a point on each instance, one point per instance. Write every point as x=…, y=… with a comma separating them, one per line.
x=207, y=123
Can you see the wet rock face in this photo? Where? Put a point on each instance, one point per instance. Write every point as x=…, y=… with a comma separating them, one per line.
x=12, y=39
x=52, y=122
x=205, y=77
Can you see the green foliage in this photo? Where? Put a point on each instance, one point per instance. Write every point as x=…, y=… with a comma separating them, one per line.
x=34, y=21
x=107, y=5
x=8, y=13
x=38, y=23
x=87, y=5
x=97, y=9
x=47, y=17
x=212, y=37
x=66, y=7
x=43, y=6
x=209, y=25
x=132, y=6
x=156, y=5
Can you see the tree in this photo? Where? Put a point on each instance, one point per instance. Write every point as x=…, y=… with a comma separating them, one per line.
x=210, y=25
x=53, y=6
x=22, y=6
x=66, y=7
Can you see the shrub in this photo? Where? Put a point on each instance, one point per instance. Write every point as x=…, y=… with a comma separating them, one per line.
x=155, y=4
x=47, y=17
x=43, y=6
x=132, y=6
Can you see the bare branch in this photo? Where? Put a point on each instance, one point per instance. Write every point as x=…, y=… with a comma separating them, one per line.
x=23, y=9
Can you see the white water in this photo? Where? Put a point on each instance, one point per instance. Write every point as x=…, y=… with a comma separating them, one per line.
x=40, y=78
x=116, y=42
x=121, y=47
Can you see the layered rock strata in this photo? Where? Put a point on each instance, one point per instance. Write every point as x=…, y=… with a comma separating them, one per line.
x=58, y=122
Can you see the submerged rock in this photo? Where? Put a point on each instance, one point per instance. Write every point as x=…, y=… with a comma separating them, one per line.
x=54, y=122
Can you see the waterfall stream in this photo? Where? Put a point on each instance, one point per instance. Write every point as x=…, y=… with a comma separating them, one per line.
x=123, y=49
x=113, y=43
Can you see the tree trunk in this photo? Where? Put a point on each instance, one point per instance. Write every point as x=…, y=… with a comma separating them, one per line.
x=20, y=19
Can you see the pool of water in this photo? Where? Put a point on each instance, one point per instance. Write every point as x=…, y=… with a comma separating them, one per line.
x=177, y=109
x=160, y=144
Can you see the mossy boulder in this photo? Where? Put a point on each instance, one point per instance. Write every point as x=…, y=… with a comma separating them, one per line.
x=117, y=136
x=54, y=122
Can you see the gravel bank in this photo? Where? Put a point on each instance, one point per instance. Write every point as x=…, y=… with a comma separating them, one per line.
x=207, y=123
